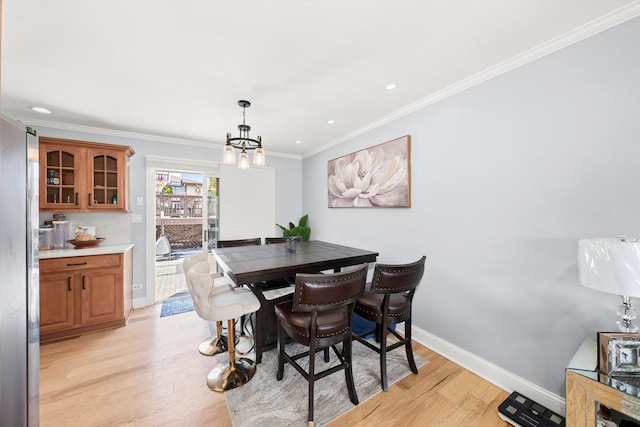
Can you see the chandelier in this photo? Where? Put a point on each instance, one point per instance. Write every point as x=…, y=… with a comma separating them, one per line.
x=243, y=143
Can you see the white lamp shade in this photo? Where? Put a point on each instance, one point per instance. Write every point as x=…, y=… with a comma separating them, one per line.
x=259, y=157
x=610, y=265
x=229, y=155
x=243, y=161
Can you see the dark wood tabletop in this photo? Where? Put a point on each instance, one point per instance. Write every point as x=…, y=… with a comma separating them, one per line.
x=255, y=265
x=251, y=264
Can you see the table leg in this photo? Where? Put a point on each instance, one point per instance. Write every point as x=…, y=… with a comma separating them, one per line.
x=258, y=333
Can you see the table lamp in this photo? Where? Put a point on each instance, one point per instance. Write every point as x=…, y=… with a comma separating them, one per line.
x=612, y=265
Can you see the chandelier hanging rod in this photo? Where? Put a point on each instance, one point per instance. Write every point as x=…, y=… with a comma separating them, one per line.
x=244, y=141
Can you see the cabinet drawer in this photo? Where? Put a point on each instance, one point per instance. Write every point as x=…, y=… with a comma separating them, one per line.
x=79, y=263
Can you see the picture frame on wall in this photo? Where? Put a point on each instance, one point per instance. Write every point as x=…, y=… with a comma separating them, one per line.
x=376, y=177
x=618, y=353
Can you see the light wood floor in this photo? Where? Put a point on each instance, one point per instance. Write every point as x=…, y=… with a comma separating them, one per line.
x=149, y=373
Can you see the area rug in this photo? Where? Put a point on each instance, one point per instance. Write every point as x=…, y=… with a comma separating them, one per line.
x=176, y=304
x=268, y=402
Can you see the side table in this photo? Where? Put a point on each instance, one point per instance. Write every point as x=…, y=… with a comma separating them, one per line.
x=594, y=399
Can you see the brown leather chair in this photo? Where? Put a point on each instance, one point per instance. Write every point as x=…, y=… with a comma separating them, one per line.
x=387, y=301
x=238, y=242
x=319, y=316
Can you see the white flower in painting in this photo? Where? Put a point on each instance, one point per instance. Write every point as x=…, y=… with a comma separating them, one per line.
x=368, y=180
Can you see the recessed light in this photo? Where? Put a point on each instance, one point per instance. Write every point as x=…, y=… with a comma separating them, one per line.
x=390, y=86
x=330, y=122
x=298, y=142
x=41, y=110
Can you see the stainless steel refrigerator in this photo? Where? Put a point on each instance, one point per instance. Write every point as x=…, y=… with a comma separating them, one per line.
x=19, y=302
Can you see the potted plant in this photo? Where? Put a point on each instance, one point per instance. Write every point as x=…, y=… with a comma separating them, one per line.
x=302, y=229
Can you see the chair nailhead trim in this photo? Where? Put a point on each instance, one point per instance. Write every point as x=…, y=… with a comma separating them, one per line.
x=390, y=315
x=343, y=330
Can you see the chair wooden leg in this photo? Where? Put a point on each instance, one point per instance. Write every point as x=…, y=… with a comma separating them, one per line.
x=383, y=354
x=311, y=379
x=280, y=334
x=408, y=347
x=348, y=371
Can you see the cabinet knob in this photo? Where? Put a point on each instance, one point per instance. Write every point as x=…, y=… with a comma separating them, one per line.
x=69, y=284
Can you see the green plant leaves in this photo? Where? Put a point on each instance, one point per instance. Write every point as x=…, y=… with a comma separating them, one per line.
x=301, y=229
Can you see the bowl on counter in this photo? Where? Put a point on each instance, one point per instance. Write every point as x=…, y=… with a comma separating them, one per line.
x=83, y=244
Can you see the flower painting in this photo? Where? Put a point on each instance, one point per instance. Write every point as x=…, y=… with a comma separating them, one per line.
x=378, y=176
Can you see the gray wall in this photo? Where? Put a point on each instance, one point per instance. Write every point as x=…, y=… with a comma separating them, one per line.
x=288, y=191
x=506, y=176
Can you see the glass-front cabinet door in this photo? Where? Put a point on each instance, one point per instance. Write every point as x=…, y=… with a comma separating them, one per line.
x=106, y=180
x=59, y=179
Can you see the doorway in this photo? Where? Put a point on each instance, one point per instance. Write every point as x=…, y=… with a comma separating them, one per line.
x=186, y=223
x=256, y=187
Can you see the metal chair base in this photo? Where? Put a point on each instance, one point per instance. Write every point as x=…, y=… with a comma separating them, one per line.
x=230, y=376
x=214, y=345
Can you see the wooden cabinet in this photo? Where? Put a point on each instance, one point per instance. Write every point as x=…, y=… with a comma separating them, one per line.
x=84, y=293
x=101, y=296
x=57, y=312
x=80, y=176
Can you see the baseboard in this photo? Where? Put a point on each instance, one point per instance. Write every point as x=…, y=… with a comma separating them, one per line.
x=501, y=378
x=142, y=302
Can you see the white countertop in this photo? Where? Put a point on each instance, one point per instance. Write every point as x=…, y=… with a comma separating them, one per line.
x=99, y=250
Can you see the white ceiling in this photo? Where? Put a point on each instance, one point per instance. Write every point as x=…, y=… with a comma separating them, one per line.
x=168, y=69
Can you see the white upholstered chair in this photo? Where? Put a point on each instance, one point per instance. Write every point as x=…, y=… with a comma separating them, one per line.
x=220, y=305
x=218, y=343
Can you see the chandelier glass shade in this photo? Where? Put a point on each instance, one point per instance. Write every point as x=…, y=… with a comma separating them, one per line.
x=243, y=143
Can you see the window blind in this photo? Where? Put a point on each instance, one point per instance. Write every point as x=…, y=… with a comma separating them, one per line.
x=247, y=202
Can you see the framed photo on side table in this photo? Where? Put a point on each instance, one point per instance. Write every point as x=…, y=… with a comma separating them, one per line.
x=618, y=353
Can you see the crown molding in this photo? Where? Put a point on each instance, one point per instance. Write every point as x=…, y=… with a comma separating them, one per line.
x=612, y=19
x=28, y=121
x=112, y=132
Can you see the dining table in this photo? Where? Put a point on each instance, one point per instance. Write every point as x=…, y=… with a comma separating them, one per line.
x=270, y=270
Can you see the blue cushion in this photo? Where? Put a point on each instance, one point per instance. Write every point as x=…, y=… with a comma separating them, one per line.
x=360, y=325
